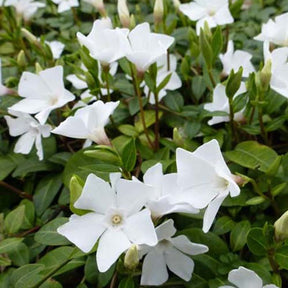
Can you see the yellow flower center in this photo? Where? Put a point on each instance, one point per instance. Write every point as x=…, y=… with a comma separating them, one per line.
x=116, y=219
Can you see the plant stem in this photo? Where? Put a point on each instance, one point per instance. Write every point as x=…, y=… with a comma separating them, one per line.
x=20, y=193
x=106, y=73
x=156, y=127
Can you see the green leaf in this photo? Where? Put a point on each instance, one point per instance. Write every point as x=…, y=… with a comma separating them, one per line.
x=256, y=242
x=206, y=49
x=174, y=101
x=150, y=119
x=163, y=83
x=4, y=262
x=223, y=225
x=6, y=166
x=217, y=42
x=126, y=283
x=90, y=270
x=48, y=234
x=255, y=200
x=128, y=130
x=198, y=86
x=14, y=220
x=251, y=154
x=29, y=217
x=281, y=256
x=233, y=83
x=129, y=155
x=238, y=236
x=20, y=256
x=46, y=191
x=9, y=244
x=76, y=187
x=51, y=283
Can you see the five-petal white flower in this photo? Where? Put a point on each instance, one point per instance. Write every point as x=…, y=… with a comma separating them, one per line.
x=116, y=219
x=162, y=72
x=169, y=252
x=275, y=31
x=31, y=131
x=236, y=59
x=205, y=179
x=163, y=199
x=88, y=123
x=146, y=47
x=43, y=93
x=25, y=8
x=214, y=12
x=104, y=43
x=65, y=5
x=246, y=278
x=279, y=68
x=221, y=103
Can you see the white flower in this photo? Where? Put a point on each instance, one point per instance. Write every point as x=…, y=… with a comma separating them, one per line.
x=25, y=8
x=65, y=5
x=279, y=68
x=31, y=131
x=205, y=179
x=162, y=72
x=214, y=12
x=115, y=219
x=56, y=48
x=275, y=31
x=163, y=198
x=147, y=47
x=245, y=278
x=88, y=123
x=221, y=103
x=104, y=43
x=171, y=253
x=236, y=59
x=3, y=90
x=43, y=93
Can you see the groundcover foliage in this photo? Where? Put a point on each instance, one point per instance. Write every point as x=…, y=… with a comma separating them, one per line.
x=121, y=124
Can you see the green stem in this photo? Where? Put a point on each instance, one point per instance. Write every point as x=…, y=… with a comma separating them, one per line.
x=106, y=73
x=156, y=127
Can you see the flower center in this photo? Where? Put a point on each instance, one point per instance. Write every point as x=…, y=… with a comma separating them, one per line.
x=116, y=219
x=211, y=12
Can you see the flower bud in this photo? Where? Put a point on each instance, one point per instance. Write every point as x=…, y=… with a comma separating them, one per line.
x=38, y=68
x=21, y=59
x=99, y=5
x=29, y=36
x=281, y=227
x=123, y=13
x=131, y=259
x=176, y=4
x=264, y=76
x=158, y=11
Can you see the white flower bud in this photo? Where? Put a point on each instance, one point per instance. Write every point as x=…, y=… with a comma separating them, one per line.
x=281, y=227
x=131, y=259
x=123, y=13
x=158, y=11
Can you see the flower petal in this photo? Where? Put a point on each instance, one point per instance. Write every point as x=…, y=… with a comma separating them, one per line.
x=111, y=245
x=183, y=244
x=140, y=229
x=154, y=271
x=179, y=263
x=97, y=195
x=25, y=143
x=165, y=230
x=83, y=231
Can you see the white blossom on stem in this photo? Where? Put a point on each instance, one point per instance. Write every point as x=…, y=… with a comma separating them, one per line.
x=169, y=252
x=88, y=123
x=245, y=278
x=205, y=179
x=221, y=103
x=115, y=219
x=214, y=12
x=236, y=59
x=31, y=132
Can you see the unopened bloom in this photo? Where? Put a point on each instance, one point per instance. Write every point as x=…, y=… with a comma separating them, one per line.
x=281, y=227
x=171, y=253
x=65, y=5
x=221, y=103
x=56, y=48
x=147, y=47
x=88, y=123
x=115, y=218
x=244, y=278
x=31, y=132
x=236, y=59
x=25, y=8
x=162, y=72
x=279, y=68
x=104, y=43
x=275, y=31
x=163, y=198
x=214, y=12
x=158, y=11
x=123, y=13
x=43, y=93
x=205, y=179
